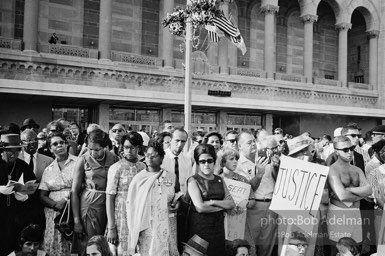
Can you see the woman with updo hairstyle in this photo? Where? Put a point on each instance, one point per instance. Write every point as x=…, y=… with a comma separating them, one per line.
x=215, y=139
x=89, y=188
x=210, y=199
x=152, y=203
x=119, y=179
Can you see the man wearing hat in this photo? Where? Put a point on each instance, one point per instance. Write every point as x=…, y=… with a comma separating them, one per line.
x=15, y=208
x=195, y=246
x=377, y=133
x=29, y=123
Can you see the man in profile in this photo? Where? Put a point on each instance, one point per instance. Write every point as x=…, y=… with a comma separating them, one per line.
x=348, y=186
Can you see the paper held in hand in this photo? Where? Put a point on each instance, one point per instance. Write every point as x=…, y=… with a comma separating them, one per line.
x=25, y=188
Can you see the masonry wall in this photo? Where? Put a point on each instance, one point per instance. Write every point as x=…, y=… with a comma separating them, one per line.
x=7, y=18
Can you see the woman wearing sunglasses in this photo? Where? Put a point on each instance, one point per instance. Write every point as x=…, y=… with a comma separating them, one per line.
x=119, y=179
x=151, y=207
x=89, y=189
x=55, y=188
x=210, y=198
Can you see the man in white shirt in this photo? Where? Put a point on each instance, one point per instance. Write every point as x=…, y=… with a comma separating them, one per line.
x=261, y=175
x=177, y=161
x=36, y=161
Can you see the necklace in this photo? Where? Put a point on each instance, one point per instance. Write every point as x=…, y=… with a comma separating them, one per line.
x=10, y=174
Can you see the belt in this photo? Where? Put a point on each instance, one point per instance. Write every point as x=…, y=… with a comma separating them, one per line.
x=263, y=200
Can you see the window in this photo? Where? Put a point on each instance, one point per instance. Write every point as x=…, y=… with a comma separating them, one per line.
x=71, y=114
x=359, y=79
x=331, y=77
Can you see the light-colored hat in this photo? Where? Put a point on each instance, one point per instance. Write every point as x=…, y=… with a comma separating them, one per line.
x=198, y=244
x=337, y=132
x=145, y=138
x=11, y=141
x=298, y=143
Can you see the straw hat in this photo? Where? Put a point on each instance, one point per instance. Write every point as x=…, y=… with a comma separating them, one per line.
x=10, y=141
x=198, y=244
x=298, y=143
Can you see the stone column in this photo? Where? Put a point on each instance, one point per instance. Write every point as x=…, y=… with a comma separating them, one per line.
x=343, y=52
x=31, y=17
x=373, y=58
x=105, y=28
x=269, y=58
x=223, y=43
x=167, y=37
x=308, y=21
x=103, y=116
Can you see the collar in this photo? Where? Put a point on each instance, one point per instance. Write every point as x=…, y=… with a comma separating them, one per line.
x=28, y=155
x=243, y=159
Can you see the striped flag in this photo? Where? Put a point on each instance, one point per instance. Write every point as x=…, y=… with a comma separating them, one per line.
x=222, y=26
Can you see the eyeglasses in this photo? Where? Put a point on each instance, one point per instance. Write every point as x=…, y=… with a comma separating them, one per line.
x=56, y=143
x=354, y=135
x=29, y=244
x=375, y=134
x=29, y=141
x=346, y=150
x=204, y=161
x=232, y=141
x=151, y=155
x=117, y=130
x=300, y=246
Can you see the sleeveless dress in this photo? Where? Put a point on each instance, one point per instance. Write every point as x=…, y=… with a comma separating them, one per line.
x=209, y=226
x=93, y=197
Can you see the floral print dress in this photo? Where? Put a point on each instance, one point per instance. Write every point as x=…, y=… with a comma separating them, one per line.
x=119, y=178
x=59, y=183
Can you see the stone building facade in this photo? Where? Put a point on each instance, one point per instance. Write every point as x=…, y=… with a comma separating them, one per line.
x=311, y=65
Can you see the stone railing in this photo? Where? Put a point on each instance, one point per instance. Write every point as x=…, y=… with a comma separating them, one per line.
x=69, y=50
x=10, y=43
x=360, y=86
x=289, y=77
x=329, y=82
x=136, y=59
x=247, y=72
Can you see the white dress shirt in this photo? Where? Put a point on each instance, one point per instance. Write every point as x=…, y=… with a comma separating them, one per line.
x=185, y=167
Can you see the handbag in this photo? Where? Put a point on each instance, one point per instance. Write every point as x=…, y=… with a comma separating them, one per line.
x=64, y=222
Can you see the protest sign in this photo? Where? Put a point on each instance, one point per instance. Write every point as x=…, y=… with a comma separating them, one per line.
x=298, y=191
x=236, y=221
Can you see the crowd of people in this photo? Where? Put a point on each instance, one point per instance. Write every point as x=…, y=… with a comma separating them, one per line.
x=132, y=193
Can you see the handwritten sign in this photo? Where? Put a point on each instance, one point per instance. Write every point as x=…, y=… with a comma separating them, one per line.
x=298, y=191
x=236, y=221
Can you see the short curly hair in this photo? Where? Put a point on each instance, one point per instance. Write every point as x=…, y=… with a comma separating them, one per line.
x=228, y=152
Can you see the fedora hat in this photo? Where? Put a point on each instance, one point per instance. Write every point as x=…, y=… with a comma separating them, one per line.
x=198, y=244
x=10, y=141
x=298, y=143
x=29, y=122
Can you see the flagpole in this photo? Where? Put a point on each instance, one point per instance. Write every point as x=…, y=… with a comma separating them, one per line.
x=188, y=81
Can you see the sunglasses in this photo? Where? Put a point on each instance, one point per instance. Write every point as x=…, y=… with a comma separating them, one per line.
x=346, y=150
x=117, y=130
x=277, y=133
x=232, y=141
x=204, y=161
x=56, y=143
x=152, y=155
x=354, y=135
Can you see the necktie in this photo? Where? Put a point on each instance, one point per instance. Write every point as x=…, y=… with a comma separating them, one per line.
x=31, y=161
x=176, y=168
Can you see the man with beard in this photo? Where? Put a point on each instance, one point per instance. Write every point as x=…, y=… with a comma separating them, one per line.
x=15, y=207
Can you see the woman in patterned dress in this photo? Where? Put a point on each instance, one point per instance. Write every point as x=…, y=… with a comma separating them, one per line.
x=55, y=187
x=119, y=178
x=89, y=189
x=152, y=198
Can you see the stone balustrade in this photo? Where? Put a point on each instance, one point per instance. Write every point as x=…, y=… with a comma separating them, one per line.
x=136, y=59
x=289, y=77
x=329, y=82
x=69, y=50
x=361, y=86
x=10, y=43
x=247, y=72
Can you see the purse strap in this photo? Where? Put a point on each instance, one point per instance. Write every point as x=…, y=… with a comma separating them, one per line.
x=66, y=208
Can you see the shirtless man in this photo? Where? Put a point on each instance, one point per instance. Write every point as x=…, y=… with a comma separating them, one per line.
x=348, y=186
